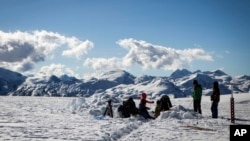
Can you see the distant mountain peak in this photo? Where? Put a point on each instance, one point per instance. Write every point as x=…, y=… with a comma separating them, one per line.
x=197, y=71
x=9, y=81
x=219, y=72
x=180, y=73
x=118, y=76
x=10, y=75
x=54, y=79
x=247, y=77
x=67, y=78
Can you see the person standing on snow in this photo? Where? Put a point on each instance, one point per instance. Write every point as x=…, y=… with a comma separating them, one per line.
x=197, y=93
x=142, y=106
x=215, y=98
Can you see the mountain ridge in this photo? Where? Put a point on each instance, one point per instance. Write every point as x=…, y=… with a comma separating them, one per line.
x=178, y=84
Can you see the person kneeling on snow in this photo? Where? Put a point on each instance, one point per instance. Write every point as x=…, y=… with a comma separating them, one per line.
x=158, y=108
x=165, y=103
x=143, y=110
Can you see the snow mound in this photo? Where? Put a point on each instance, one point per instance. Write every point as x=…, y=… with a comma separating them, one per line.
x=178, y=112
x=98, y=106
x=96, y=112
x=77, y=104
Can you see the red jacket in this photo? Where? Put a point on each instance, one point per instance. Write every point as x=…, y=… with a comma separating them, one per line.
x=144, y=100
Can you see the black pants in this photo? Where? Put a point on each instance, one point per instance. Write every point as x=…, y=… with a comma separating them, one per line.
x=197, y=106
x=214, y=109
x=144, y=112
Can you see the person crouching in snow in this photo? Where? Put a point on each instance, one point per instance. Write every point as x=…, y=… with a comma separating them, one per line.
x=158, y=108
x=143, y=110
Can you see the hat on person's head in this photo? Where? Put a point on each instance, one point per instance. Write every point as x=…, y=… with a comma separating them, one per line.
x=158, y=102
x=143, y=95
x=109, y=101
x=195, y=82
x=216, y=83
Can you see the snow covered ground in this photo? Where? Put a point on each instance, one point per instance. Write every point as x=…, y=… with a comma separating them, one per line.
x=58, y=118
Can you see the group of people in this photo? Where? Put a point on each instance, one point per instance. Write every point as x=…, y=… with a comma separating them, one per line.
x=163, y=104
x=128, y=108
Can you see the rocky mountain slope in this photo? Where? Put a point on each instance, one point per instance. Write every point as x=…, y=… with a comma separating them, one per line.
x=119, y=82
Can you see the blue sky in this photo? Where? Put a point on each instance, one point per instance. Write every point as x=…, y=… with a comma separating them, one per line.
x=79, y=37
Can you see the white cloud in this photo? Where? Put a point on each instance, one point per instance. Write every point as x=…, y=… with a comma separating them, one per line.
x=154, y=56
x=149, y=56
x=57, y=70
x=194, y=54
x=105, y=64
x=21, y=50
x=77, y=48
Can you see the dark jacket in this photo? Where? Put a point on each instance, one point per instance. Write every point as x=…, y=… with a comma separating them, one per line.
x=216, y=92
x=215, y=95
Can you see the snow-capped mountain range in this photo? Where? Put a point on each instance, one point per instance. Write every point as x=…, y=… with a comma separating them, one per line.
x=119, y=83
x=9, y=81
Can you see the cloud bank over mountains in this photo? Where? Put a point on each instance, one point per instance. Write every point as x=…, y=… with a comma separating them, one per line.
x=56, y=69
x=20, y=51
x=159, y=57
x=149, y=56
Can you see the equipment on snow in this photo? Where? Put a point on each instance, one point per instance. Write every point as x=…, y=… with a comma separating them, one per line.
x=108, y=110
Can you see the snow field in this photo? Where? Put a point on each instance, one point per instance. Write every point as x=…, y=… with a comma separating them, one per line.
x=57, y=118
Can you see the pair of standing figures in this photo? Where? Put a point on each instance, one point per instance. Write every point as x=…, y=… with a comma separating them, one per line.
x=215, y=98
